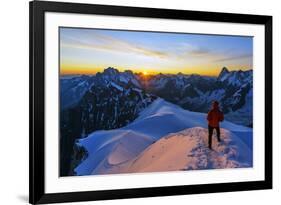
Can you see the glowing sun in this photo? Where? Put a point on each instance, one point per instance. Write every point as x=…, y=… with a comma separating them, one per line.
x=145, y=72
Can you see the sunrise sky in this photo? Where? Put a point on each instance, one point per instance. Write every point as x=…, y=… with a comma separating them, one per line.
x=88, y=51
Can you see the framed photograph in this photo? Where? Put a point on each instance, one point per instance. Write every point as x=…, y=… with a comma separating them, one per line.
x=141, y=102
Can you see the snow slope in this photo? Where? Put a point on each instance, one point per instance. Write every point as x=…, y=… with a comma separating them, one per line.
x=109, y=149
x=187, y=150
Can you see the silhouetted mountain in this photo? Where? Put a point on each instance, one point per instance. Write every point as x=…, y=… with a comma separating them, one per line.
x=223, y=73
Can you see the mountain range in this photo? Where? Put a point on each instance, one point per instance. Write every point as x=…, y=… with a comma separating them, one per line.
x=111, y=100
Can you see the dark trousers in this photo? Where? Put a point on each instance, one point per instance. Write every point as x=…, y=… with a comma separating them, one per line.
x=211, y=130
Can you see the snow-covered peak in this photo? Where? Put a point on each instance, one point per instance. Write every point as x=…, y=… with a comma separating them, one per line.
x=123, y=79
x=235, y=78
x=110, y=71
x=224, y=70
x=223, y=74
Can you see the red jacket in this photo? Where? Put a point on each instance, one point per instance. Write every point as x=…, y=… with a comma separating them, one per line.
x=214, y=117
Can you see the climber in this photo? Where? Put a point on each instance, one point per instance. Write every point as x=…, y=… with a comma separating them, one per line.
x=214, y=117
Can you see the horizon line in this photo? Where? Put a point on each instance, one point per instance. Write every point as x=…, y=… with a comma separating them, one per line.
x=150, y=73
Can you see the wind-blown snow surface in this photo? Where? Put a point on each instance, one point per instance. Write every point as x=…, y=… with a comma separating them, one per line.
x=187, y=150
x=113, y=151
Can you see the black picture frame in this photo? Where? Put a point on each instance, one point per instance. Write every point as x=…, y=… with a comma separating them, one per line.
x=37, y=194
